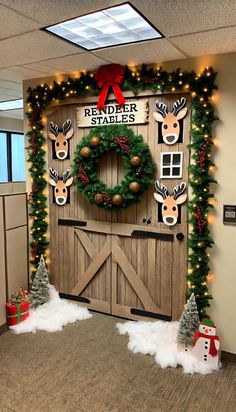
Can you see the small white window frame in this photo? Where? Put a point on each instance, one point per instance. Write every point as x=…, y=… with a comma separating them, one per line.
x=171, y=166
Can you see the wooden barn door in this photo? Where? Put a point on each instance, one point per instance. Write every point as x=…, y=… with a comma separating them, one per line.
x=126, y=263
x=141, y=278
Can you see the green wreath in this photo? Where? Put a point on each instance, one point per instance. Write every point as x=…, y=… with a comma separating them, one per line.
x=138, y=166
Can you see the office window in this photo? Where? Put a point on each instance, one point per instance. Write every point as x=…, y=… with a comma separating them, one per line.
x=12, y=157
x=3, y=158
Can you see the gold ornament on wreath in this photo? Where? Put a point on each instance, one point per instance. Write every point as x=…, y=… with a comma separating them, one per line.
x=98, y=198
x=135, y=187
x=117, y=200
x=85, y=151
x=135, y=161
x=94, y=141
x=125, y=143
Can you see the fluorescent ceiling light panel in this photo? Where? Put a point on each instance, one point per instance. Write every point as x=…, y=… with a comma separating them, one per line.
x=11, y=104
x=114, y=26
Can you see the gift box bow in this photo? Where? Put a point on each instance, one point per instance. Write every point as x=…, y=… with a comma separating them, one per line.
x=19, y=297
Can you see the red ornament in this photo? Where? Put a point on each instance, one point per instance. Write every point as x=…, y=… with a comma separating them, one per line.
x=83, y=176
x=34, y=249
x=33, y=117
x=106, y=198
x=33, y=145
x=111, y=75
x=148, y=80
x=200, y=221
x=202, y=153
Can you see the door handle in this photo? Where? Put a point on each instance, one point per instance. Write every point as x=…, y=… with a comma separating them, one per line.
x=180, y=236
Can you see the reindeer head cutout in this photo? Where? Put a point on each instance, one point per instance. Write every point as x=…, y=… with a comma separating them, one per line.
x=170, y=203
x=60, y=185
x=170, y=121
x=61, y=136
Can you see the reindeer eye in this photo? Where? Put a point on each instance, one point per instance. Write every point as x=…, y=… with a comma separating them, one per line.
x=174, y=208
x=175, y=125
x=165, y=126
x=57, y=144
x=64, y=190
x=64, y=143
x=57, y=190
x=165, y=207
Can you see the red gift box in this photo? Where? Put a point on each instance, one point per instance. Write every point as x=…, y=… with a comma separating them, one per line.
x=17, y=312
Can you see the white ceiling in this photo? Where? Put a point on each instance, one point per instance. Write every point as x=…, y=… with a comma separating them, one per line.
x=191, y=28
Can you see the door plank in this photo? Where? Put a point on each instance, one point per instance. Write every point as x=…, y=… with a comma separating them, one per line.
x=143, y=294
x=93, y=268
x=86, y=242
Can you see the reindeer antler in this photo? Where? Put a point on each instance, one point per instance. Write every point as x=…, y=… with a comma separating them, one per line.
x=162, y=189
x=66, y=126
x=178, y=190
x=161, y=108
x=53, y=128
x=66, y=175
x=178, y=105
x=53, y=174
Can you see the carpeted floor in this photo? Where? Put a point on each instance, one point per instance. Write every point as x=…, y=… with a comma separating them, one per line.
x=88, y=368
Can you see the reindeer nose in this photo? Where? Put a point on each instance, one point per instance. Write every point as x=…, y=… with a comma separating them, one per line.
x=169, y=219
x=60, y=200
x=61, y=155
x=170, y=139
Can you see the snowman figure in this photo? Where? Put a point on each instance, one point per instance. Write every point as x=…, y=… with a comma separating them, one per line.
x=206, y=344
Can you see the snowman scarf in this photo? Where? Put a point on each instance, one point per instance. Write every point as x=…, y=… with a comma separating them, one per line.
x=213, y=351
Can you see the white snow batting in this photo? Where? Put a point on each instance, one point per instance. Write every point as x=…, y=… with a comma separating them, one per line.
x=52, y=316
x=159, y=339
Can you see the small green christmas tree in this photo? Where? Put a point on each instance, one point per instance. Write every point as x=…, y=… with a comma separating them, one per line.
x=40, y=286
x=189, y=322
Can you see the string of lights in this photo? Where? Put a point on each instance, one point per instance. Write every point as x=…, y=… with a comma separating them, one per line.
x=201, y=87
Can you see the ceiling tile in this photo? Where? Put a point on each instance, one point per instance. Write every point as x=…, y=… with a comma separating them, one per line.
x=212, y=42
x=170, y=17
x=32, y=47
x=44, y=68
x=15, y=114
x=13, y=23
x=18, y=73
x=155, y=51
x=10, y=85
x=9, y=95
x=83, y=61
x=187, y=16
x=50, y=12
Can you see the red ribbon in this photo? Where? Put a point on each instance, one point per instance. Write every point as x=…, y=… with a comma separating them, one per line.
x=213, y=351
x=111, y=75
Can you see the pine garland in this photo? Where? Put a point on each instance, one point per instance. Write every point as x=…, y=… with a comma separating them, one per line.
x=201, y=87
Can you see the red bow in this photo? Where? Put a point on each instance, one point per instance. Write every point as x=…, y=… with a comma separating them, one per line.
x=107, y=76
x=213, y=351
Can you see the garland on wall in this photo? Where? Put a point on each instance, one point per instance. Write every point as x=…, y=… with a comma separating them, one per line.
x=201, y=87
x=138, y=166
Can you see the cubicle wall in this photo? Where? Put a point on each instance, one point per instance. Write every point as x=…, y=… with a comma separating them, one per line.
x=13, y=247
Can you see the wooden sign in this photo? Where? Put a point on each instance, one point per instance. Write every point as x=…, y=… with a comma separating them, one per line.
x=129, y=113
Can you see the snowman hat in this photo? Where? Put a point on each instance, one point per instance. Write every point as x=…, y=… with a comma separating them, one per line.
x=208, y=322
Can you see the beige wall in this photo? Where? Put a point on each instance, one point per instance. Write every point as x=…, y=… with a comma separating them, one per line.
x=223, y=255
x=16, y=125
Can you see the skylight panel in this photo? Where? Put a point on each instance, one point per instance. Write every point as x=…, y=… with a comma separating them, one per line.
x=113, y=26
